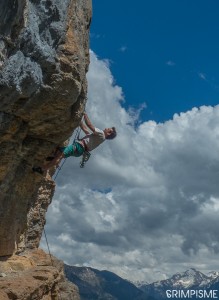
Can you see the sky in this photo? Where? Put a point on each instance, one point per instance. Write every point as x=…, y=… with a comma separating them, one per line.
x=162, y=53
x=146, y=205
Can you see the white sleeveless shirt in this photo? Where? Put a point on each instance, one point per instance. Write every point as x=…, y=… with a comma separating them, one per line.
x=94, y=139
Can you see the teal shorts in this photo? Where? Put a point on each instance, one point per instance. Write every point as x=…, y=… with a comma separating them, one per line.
x=76, y=149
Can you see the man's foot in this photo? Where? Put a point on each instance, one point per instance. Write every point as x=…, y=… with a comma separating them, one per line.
x=38, y=170
x=49, y=158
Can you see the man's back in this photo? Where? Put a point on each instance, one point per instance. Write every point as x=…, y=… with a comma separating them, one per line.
x=94, y=139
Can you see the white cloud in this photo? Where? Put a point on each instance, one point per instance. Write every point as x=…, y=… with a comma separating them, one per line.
x=146, y=204
x=123, y=49
x=96, y=35
x=170, y=63
x=202, y=76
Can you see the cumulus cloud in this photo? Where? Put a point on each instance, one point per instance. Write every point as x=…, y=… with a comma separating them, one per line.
x=146, y=204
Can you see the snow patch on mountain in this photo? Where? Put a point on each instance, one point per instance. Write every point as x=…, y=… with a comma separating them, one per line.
x=190, y=279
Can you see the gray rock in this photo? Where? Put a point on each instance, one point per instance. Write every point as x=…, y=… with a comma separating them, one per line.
x=44, y=57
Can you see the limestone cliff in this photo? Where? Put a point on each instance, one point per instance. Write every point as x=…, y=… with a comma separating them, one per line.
x=44, y=57
x=33, y=276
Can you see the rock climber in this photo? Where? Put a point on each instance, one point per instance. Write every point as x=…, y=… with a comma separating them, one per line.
x=93, y=138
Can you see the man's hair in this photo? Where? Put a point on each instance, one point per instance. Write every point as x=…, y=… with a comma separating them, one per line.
x=112, y=135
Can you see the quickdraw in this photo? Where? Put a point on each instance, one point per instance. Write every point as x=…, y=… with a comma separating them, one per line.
x=86, y=155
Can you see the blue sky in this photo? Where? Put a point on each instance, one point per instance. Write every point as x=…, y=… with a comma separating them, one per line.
x=163, y=53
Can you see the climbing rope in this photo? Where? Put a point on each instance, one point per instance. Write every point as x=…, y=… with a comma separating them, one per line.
x=50, y=255
x=59, y=169
x=44, y=231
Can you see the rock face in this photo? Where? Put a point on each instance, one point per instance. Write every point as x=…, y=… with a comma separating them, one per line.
x=34, y=276
x=44, y=57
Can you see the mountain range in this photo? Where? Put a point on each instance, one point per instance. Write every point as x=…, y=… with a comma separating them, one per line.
x=104, y=285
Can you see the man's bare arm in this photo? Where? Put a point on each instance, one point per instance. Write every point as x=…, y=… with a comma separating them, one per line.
x=84, y=128
x=88, y=123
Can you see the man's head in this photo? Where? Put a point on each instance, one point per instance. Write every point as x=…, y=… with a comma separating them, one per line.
x=110, y=133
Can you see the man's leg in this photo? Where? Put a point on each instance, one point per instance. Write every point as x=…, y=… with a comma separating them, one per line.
x=58, y=157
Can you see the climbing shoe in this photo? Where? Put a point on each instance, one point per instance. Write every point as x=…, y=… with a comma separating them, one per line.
x=49, y=158
x=38, y=170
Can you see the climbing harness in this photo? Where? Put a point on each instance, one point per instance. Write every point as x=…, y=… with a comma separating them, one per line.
x=85, y=155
